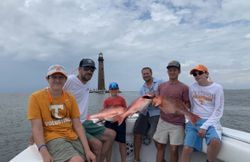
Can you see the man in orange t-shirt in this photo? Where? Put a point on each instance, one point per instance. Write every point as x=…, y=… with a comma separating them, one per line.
x=55, y=120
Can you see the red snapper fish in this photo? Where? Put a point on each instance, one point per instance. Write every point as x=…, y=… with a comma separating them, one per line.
x=140, y=104
x=107, y=114
x=176, y=106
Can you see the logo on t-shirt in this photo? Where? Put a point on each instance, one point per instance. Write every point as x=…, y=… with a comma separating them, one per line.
x=58, y=111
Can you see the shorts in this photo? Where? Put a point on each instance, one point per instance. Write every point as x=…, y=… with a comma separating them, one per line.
x=119, y=129
x=93, y=130
x=146, y=125
x=62, y=149
x=194, y=141
x=166, y=131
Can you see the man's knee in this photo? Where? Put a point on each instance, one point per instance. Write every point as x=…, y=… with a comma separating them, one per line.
x=160, y=146
x=76, y=159
x=110, y=133
x=215, y=143
x=96, y=145
x=174, y=148
x=187, y=150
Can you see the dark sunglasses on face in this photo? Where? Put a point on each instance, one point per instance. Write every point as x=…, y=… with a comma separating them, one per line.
x=198, y=73
x=57, y=77
x=87, y=68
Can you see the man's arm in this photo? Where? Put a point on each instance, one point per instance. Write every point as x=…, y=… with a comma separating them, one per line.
x=37, y=131
x=81, y=134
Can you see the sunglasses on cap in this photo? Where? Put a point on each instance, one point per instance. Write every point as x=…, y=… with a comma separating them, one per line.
x=88, y=68
x=198, y=73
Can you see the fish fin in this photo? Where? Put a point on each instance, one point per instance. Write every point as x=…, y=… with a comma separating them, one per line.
x=194, y=119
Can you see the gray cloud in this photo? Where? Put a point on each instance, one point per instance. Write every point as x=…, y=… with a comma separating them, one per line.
x=131, y=34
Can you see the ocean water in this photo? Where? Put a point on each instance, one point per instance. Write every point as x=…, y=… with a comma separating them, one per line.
x=15, y=128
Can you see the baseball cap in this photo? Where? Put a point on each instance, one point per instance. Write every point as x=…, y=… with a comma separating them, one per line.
x=87, y=62
x=53, y=69
x=174, y=64
x=113, y=86
x=199, y=67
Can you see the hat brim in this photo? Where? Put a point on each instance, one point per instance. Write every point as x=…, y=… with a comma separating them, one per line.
x=57, y=72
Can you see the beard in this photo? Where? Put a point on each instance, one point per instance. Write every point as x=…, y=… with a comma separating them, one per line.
x=147, y=79
x=86, y=77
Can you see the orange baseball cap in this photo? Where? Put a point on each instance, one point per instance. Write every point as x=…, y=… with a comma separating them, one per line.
x=199, y=67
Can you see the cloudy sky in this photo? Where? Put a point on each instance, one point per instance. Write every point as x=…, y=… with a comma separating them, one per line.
x=131, y=34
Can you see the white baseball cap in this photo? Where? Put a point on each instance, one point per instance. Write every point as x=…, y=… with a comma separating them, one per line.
x=53, y=69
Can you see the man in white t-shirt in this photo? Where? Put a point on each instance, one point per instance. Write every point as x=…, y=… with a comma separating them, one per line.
x=207, y=101
x=100, y=138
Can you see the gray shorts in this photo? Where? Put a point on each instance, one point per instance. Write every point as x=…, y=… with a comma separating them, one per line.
x=166, y=131
x=62, y=149
x=146, y=125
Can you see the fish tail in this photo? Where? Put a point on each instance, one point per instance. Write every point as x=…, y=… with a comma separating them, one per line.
x=194, y=118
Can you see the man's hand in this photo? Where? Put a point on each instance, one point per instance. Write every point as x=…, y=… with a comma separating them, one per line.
x=90, y=156
x=45, y=154
x=202, y=132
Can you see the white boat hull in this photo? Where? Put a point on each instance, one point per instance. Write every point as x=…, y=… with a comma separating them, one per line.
x=235, y=148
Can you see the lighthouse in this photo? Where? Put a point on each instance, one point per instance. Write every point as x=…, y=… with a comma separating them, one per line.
x=101, y=81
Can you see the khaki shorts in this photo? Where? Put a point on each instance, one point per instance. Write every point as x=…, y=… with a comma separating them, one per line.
x=62, y=149
x=166, y=131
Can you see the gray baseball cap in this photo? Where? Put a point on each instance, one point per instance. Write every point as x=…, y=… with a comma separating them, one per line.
x=87, y=62
x=174, y=64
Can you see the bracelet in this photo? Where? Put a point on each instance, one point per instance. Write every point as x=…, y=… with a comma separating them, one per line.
x=41, y=146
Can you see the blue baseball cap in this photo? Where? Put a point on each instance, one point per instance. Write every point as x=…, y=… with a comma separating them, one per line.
x=113, y=86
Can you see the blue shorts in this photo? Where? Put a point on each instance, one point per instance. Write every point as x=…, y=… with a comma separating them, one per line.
x=191, y=135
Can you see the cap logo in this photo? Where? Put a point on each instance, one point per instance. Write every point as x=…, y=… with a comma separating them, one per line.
x=58, y=68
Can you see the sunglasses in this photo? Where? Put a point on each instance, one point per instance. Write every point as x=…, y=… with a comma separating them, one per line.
x=88, y=68
x=198, y=73
x=54, y=77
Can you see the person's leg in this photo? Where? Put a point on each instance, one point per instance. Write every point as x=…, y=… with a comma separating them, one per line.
x=213, y=139
x=176, y=136
x=76, y=159
x=161, y=139
x=213, y=149
x=96, y=146
x=65, y=150
x=140, y=129
x=174, y=154
x=112, y=126
x=186, y=154
x=192, y=141
x=105, y=135
x=152, y=124
x=160, y=151
x=109, y=155
x=107, y=138
x=137, y=146
x=122, y=148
